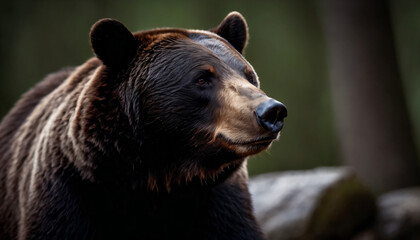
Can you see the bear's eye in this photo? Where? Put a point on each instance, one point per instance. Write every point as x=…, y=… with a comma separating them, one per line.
x=201, y=81
x=204, y=78
x=251, y=79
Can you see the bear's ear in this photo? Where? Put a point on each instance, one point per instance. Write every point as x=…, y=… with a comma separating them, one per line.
x=112, y=42
x=234, y=29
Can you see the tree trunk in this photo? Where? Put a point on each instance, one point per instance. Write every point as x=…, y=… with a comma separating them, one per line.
x=375, y=132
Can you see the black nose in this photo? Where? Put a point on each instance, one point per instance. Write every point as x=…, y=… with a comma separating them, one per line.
x=270, y=115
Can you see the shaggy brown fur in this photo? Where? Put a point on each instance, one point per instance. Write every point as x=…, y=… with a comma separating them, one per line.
x=139, y=142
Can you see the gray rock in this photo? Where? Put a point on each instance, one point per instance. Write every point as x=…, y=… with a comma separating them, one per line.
x=324, y=203
x=399, y=215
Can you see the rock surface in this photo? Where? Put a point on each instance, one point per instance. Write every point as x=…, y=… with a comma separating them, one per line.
x=324, y=203
x=399, y=215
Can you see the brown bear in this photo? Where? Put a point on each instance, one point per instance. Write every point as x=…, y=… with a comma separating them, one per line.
x=147, y=140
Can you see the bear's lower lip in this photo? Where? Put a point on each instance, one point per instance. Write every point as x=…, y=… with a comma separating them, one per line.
x=261, y=141
x=258, y=142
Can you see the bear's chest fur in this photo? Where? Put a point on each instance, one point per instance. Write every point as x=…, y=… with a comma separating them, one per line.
x=84, y=210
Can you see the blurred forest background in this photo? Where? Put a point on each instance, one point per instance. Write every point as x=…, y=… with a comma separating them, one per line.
x=287, y=47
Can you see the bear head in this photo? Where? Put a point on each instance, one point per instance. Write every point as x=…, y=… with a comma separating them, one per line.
x=192, y=101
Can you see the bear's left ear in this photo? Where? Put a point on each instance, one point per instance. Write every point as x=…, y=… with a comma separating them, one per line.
x=234, y=29
x=112, y=42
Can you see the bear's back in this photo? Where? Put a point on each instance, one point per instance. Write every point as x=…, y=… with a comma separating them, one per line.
x=11, y=123
x=14, y=119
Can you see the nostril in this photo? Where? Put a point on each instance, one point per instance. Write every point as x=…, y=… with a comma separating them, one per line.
x=275, y=113
x=270, y=115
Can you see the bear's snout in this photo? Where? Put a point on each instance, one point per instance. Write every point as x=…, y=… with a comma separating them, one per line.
x=270, y=115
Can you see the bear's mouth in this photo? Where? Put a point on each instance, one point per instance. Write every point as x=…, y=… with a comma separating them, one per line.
x=263, y=141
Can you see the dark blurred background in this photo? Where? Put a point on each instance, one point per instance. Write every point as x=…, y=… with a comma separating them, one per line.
x=293, y=47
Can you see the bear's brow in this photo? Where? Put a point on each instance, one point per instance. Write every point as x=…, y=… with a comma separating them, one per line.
x=222, y=50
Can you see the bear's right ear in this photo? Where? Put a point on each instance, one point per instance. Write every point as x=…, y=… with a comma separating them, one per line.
x=112, y=42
